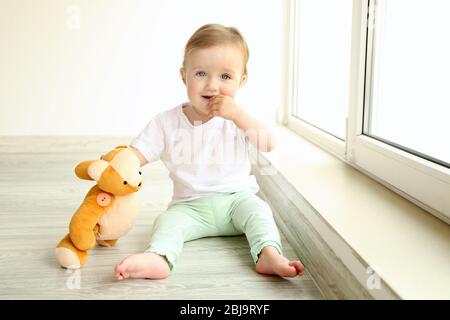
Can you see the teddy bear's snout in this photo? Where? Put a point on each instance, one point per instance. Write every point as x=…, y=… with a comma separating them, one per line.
x=126, y=182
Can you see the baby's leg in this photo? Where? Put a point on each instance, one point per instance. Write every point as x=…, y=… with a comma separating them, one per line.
x=254, y=217
x=171, y=229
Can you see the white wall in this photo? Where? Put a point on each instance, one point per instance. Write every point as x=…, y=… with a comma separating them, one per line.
x=107, y=66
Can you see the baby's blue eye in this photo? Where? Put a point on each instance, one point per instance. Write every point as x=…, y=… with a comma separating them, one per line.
x=225, y=77
x=200, y=73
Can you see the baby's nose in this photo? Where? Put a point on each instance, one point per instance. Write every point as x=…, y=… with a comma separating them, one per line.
x=212, y=85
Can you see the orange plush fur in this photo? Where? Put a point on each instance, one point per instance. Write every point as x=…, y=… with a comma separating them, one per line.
x=108, y=210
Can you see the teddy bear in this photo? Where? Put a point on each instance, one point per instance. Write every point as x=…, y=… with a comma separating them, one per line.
x=109, y=209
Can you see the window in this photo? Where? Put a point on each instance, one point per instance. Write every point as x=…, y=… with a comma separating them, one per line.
x=410, y=72
x=323, y=57
x=368, y=81
x=322, y=63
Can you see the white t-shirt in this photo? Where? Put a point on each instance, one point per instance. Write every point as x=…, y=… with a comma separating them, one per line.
x=202, y=158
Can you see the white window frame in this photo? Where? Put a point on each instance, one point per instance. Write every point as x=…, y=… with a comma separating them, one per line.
x=423, y=182
x=301, y=127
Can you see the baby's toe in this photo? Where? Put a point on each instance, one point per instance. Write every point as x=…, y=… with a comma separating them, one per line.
x=122, y=275
x=120, y=270
x=298, y=267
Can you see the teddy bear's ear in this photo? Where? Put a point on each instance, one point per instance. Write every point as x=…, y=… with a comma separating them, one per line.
x=81, y=170
x=91, y=169
x=96, y=169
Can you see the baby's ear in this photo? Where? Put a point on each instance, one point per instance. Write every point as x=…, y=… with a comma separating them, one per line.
x=243, y=80
x=183, y=74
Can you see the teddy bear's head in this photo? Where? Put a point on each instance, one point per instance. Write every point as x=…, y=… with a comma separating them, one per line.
x=116, y=172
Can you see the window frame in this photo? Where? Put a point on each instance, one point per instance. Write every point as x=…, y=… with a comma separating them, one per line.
x=421, y=181
x=314, y=134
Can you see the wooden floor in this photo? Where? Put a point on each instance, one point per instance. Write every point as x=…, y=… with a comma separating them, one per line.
x=38, y=195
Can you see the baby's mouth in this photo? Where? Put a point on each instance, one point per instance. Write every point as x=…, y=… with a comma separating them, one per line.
x=207, y=97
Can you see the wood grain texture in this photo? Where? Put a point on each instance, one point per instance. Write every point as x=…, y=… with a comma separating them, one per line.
x=39, y=192
x=293, y=214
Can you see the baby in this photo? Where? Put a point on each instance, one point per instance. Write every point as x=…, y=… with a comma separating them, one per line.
x=204, y=145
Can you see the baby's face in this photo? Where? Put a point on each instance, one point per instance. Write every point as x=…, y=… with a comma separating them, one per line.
x=212, y=71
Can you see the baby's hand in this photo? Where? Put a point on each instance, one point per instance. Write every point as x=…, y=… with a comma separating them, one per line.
x=223, y=106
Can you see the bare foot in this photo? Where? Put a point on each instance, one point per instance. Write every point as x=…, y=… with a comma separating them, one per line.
x=146, y=265
x=272, y=262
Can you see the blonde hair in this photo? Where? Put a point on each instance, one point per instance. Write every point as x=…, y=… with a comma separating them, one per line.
x=211, y=35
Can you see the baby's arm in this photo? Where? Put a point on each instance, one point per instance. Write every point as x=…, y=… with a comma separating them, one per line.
x=140, y=156
x=258, y=134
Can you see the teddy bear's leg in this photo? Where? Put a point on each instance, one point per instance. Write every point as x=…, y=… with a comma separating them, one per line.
x=68, y=255
x=106, y=243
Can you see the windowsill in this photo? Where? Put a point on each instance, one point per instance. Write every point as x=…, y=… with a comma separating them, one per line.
x=408, y=247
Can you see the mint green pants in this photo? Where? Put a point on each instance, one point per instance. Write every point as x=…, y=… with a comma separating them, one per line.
x=221, y=214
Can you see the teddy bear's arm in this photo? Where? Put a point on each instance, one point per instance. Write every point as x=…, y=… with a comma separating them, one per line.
x=84, y=220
